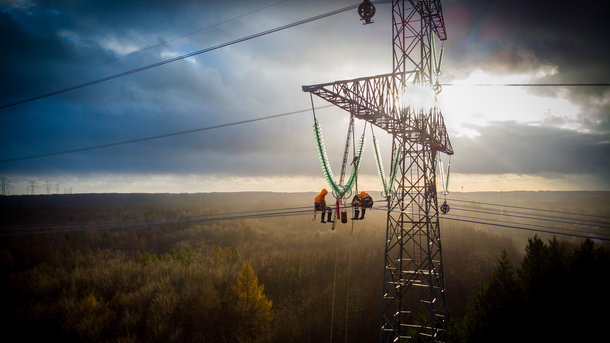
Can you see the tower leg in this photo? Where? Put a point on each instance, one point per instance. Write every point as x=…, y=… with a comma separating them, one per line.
x=413, y=300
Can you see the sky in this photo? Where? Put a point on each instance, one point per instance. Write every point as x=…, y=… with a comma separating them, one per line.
x=504, y=138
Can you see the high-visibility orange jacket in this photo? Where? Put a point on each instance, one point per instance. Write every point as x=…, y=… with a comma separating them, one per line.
x=320, y=197
x=365, y=200
x=363, y=195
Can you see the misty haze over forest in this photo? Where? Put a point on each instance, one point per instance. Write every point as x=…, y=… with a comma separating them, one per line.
x=183, y=282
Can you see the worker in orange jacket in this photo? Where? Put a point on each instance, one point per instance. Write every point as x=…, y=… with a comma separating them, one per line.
x=362, y=200
x=319, y=203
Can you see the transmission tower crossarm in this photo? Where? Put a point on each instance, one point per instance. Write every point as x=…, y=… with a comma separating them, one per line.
x=374, y=99
x=368, y=98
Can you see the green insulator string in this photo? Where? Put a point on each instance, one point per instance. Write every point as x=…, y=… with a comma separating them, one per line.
x=380, y=169
x=437, y=61
x=387, y=187
x=337, y=188
x=326, y=169
x=394, y=170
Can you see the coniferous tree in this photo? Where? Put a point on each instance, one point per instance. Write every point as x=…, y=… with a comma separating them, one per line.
x=494, y=306
x=252, y=308
x=552, y=297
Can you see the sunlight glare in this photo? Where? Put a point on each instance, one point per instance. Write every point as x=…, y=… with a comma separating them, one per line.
x=417, y=97
x=466, y=105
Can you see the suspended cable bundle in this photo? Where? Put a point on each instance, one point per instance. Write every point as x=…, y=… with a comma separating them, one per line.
x=338, y=189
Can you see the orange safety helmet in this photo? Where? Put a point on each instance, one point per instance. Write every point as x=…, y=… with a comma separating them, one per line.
x=363, y=195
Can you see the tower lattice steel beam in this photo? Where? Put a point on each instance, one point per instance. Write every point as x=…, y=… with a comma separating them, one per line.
x=413, y=300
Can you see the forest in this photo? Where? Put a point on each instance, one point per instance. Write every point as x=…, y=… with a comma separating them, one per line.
x=277, y=279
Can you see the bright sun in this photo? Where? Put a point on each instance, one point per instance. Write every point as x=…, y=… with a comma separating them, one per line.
x=466, y=105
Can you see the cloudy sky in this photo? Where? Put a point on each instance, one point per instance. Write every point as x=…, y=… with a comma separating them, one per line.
x=505, y=138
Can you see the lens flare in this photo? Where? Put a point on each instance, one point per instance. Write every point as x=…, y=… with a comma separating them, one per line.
x=417, y=97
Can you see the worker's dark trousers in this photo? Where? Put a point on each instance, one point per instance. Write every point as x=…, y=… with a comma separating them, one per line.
x=357, y=213
x=329, y=219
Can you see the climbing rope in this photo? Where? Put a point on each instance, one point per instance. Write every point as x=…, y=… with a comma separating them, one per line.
x=349, y=267
x=332, y=311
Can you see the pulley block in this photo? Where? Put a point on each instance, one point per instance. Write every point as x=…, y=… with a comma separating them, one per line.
x=366, y=10
x=445, y=207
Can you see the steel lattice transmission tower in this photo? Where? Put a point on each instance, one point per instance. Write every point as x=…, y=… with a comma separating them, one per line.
x=413, y=300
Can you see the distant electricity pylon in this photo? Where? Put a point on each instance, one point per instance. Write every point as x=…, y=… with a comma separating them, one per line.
x=413, y=299
x=4, y=185
x=33, y=187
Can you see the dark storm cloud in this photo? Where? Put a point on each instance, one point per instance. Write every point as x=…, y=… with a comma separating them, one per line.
x=52, y=39
x=48, y=40
x=521, y=148
x=212, y=89
x=510, y=36
x=55, y=38
x=518, y=37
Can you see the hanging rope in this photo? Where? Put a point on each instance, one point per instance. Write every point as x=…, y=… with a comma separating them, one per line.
x=349, y=266
x=332, y=311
